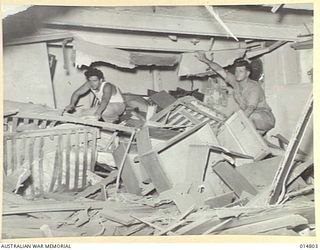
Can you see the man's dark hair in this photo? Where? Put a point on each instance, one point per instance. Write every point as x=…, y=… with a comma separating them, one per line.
x=242, y=62
x=94, y=72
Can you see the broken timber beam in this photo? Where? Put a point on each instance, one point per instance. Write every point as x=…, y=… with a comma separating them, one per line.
x=150, y=161
x=278, y=187
x=65, y=119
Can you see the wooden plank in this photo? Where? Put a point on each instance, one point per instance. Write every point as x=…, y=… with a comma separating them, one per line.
x=37, y=207
x=46, y=132
x=194, y=104
x=31, y=163
x=78, y=120
x=291, y=220
x=128, y=176
x=220, y=201
x=198, y=226
x=55, y=171
x=41, y=172
x=93, y=150
x=85, y=160
x=77, y=162
x=150, y=161
x=5, y=157
x=233, y=179
x=68, y=155
x=123, y=161
x=189, y=117
x=23, y=153
x=123, y=219
x=278, y=186
x=60, y=161
x=96, y=187
x=217, y=227
x=158, y=116
x=14, y=153
x=14, y=123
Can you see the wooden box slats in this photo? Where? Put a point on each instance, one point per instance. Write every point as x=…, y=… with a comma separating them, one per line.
x=187, y=111
x=61, y=155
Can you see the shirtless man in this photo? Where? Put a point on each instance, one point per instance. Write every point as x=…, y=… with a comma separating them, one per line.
x=247, y=93
x=110, y=101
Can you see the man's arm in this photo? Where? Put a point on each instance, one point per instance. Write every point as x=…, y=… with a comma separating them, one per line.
x=252, y=101
x=225, y=75
x=107, y=93
x=76, y=95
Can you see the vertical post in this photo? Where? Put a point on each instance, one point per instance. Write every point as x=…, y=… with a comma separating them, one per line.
x=41, y=155
x=68, y=149
x=76, y=165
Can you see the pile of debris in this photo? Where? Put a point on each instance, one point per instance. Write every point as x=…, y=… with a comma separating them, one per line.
x=188, y=170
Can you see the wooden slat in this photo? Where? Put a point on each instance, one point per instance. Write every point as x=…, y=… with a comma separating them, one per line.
x=68, y=149
x=13, y=153
x=47, y=132
x=31, y=158
x=14, y=123
x=93, y=150
x=5, y=157
x=23, y=153
x=26, y=121
x=189, y=117
x=55, y=171
x=124, y=160
x=158, y=116
x=278, y=187
x=60, y=160
x=36, y=122
x=85, y=160
x=41, y=172
x=150, y=161
x=233, y=179
x=43, y=124
x=76, y=120
x=76, y=164
x=128, y=176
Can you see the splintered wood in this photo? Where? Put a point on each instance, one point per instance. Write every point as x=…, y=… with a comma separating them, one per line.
x=189, y=170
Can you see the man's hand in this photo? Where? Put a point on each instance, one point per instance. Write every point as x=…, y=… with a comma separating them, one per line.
x=201, y=56
x=69, y=108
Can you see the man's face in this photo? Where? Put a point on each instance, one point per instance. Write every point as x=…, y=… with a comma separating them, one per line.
x=94, y=82
x=241, y=73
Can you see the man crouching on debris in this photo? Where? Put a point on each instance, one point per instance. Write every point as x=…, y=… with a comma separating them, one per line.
x=110, y=101
x=247, y=93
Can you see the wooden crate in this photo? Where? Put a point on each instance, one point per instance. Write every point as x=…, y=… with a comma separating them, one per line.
x=58, y=158
x=238, y=134
x=187, y=111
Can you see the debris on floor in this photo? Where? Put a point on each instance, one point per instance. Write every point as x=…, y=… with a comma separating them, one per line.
x=189, y=170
